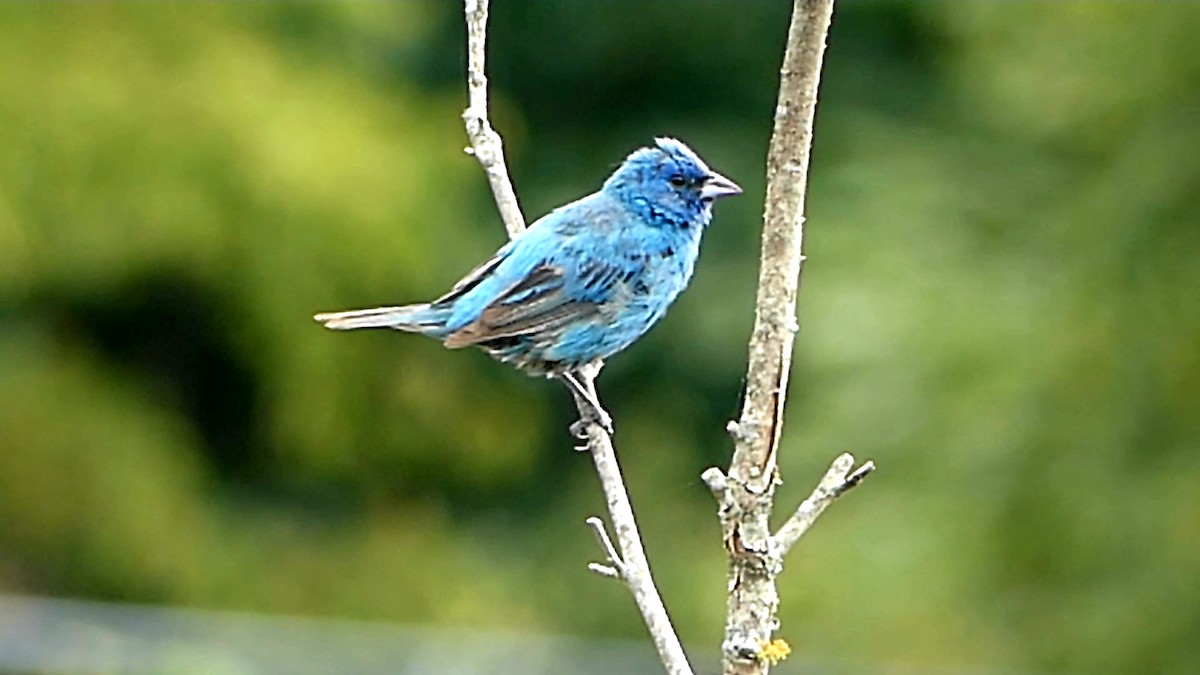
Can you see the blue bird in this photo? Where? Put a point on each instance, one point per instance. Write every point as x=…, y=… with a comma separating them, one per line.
x=583, y=282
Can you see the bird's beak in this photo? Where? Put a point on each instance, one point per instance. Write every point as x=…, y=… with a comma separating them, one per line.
x=718, y=186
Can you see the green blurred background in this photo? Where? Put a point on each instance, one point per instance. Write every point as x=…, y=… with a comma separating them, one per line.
x=1000, y=308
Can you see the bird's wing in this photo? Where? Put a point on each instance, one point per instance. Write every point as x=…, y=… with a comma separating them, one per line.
x=472, y=279
x=537, y=303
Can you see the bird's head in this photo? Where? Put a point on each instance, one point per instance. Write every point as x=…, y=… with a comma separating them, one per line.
x=668, y=182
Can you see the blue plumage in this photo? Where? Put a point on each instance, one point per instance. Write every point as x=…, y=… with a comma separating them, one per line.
x=584, y=281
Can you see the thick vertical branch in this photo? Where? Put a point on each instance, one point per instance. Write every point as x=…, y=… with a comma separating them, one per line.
x=758, y=430
x=746, y=495
x=629, y=563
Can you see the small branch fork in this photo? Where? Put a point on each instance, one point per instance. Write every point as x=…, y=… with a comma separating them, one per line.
x=757, y=559
x=629, y=564
x=626, y=560
x=615, y=568
x=839, y=479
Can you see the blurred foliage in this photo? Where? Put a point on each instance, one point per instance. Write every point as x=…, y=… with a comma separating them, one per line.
x=1000, y=307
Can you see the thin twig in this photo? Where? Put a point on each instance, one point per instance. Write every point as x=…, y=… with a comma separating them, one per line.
x=635, y=571
x=629, y=564
x=836, y=482
x=485, y=142
x=605, y=570
x=615, y=564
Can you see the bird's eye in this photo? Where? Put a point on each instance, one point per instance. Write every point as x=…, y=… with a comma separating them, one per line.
x=677, y=180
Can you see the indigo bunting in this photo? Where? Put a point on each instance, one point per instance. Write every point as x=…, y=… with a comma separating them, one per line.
x=583, y=282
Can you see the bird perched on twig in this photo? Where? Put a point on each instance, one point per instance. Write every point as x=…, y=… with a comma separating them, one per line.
x=583, y=282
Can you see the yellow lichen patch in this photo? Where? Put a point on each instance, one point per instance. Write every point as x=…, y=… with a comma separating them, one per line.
x=774, y=651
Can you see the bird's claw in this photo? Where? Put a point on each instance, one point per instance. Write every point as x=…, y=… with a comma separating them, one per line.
x=579, y=428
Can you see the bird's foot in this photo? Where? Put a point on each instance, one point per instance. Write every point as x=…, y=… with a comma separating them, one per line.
x=578, y=429
x=593, y=415
x=582, y=385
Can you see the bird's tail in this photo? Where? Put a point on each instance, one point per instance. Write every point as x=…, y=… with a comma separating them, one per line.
x=413, y=318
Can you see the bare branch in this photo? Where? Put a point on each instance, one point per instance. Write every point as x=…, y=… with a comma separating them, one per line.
x=485, y=142
x=775, y=324
x=747, y=492
x=629, y=564
x=634, y=570
x=837, y=481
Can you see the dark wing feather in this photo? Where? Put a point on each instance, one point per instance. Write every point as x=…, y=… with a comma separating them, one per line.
x=472, y=279
x=538, y=303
